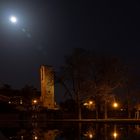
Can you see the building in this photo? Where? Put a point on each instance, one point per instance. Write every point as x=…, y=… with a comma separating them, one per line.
x=47, y=87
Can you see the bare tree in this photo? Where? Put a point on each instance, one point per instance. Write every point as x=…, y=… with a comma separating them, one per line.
x=109, y=75
x=85, y=75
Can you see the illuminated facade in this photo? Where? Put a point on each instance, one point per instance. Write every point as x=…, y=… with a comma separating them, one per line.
x=47, y=87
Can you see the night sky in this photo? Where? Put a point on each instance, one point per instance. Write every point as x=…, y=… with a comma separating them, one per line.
x=47, y=30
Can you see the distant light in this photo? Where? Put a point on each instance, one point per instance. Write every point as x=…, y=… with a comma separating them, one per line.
x=90, y=102
x=22, y=137
x=115, y=105
x=121, y=109
x=35, y=137
x=21, y=101
x=90, y=136
x=34, y=101
x=115, y=135
x=85, y=104
x=9, y=102
x=13, y=19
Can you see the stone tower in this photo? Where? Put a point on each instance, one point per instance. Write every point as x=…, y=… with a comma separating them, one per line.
x=47, y=87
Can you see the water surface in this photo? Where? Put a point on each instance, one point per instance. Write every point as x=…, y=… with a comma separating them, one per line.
x=69, y=131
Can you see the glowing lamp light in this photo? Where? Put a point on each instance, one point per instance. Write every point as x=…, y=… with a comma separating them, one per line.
x=35, y=137
x=115, y=105
x=90, y=102
x=90, y=136
x=9, y=102
x=13, y=19
x=85, y=104
x=34, y=101
x=115, y=135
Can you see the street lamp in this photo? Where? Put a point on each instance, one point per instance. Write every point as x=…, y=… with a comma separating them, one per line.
x=34, y=101
x=90, y=102
x=115, y=135
x=35, y=137
x=115, y=105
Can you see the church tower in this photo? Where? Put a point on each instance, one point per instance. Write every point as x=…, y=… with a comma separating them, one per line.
x=47, y=86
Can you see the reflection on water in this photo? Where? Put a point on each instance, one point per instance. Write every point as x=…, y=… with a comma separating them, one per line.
x=71, y=131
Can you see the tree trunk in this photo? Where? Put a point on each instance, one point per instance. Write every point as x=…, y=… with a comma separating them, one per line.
x=79, y=112
x=105, y=113
x=128, y=104
x=96, y=108
x=79, y=106
x=105, y=131
x=97, y=114
x=129, y=111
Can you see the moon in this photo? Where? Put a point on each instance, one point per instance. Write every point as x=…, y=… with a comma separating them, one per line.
x=13, y=19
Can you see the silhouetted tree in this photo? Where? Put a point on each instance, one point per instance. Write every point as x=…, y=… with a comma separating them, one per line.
x=69, y=105
x=109, y=76
x=132, y=93
x=28, y=93
x=86, y=74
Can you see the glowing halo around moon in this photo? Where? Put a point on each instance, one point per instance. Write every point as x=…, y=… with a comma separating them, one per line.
x=13, y=19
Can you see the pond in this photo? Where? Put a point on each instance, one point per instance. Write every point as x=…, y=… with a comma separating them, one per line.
x=69, y=131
